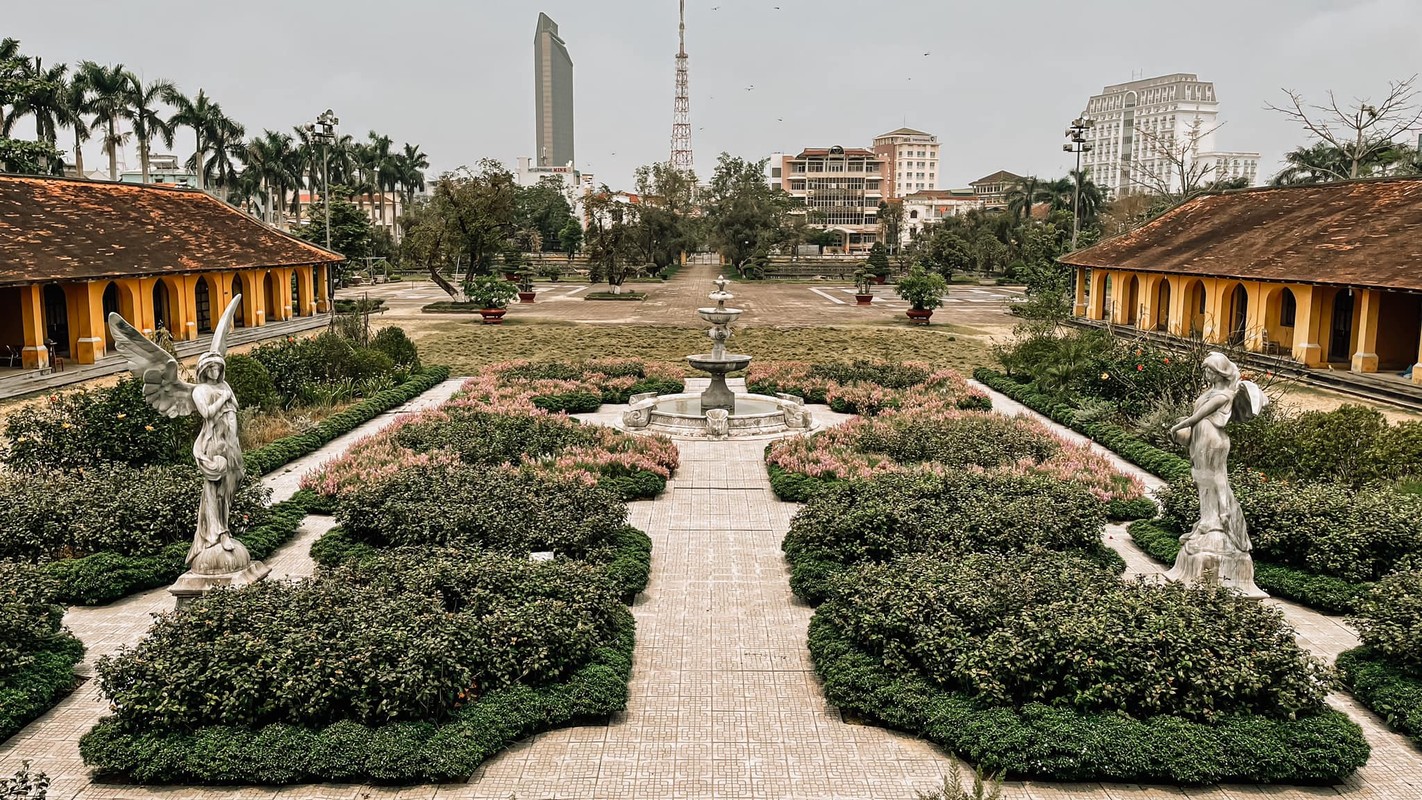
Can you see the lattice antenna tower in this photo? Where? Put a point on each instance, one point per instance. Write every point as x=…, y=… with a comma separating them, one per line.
x=681, y=117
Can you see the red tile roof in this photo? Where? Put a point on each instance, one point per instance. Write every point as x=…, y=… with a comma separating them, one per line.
x=1355, y=233
x=70, y=229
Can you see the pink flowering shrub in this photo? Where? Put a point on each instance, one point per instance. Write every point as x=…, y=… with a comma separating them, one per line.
x=866, y=387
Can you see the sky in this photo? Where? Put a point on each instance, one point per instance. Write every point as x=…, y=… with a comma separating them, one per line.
x=995, y=80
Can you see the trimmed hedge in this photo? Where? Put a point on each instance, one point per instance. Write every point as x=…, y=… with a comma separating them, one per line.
x=1320, y=592
x=1146, y=456
x=1040, y=741
x=37, y=686
x=1391, y=692
x=402, y=752
x=265, y=459
x=37, y=655
x=104, y=577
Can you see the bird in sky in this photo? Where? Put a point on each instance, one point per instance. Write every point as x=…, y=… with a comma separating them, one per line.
x=928, y=54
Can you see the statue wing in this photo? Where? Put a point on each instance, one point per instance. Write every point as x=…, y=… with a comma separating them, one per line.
x=224, y=326
x=157, y=368
x=1249, y=401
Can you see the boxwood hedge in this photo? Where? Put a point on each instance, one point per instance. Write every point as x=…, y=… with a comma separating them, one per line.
x=1389, y=690
x=37, y=656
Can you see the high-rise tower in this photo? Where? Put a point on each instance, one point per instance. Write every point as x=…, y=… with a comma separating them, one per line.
x=681, y=116
x=553, y=95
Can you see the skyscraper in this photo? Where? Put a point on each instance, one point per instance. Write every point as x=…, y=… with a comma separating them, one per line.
x=553, y=95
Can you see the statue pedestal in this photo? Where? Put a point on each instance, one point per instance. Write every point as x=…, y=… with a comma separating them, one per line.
x=192, y=585
x=1198, y=563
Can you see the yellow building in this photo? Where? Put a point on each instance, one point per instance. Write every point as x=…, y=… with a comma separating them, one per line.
x=1330, y=275
x=71, y=251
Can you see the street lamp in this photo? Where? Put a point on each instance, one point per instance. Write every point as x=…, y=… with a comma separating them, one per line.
x=1076, y=143
x=323, y=130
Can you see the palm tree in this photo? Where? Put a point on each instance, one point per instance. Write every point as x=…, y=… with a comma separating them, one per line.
x=228, y=149
x=76, y=104
x=147, y=122
x=411, y=165
x=44, y=99
x=109, y=102
x=268, y=159
x=1021, y=197
x=10, y=62
x=379, y=171
x=1093, y=200
x=212, y=130
x=1319, y=163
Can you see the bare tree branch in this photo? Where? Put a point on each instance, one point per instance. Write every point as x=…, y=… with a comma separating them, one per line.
x=1358, y=133
x=1180, y=160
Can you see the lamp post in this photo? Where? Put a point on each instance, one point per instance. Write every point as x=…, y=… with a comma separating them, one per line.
x=323, y=130
x=1076, y=143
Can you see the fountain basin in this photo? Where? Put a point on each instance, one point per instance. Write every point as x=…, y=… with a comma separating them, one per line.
x=719, y=316
x=730, y=362
x=682, y=416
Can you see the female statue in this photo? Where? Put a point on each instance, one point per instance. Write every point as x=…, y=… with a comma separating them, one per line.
x=1216, y=549
x=215, y=557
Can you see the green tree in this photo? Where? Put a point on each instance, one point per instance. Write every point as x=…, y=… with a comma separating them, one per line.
x=28, y=89
x=352, y=234
x=570, y=238
x=1357, y=138
x=610, y=253
x=664, y=225
x=211, y=129
x=943, y=248
x=544, y=208
x=744, y=217
x=148, y=124
x=891, y=224
x=468, y=219
x=109, y=100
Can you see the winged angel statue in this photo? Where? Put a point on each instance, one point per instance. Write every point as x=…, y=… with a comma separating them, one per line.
x=215, y=557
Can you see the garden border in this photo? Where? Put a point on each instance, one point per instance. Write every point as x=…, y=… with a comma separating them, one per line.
x=32, y=691
x=1040, y=741
x=1385, y=689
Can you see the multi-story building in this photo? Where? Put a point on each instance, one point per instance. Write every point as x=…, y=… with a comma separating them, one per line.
x=926, y=207
x=552, y=95
x=164, y=169
x=992, y=190
x=910, y=161
x=1158, y=134
x=841, y=188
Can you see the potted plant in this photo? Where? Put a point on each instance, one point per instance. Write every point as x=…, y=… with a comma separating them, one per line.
x=492, y=295
x=525, y=286
x=550, y=270
x=863, y=287
x=924, y=290
x=879, y=263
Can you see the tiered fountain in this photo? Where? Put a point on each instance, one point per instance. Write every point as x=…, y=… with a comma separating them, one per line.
x=717, y=412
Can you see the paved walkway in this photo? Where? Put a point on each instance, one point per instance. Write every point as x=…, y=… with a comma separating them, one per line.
x=724, y=702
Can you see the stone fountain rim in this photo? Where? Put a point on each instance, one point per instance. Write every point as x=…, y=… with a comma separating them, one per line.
x=779, y=404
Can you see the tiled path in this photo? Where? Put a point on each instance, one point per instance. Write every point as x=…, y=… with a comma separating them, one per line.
x=723, y=699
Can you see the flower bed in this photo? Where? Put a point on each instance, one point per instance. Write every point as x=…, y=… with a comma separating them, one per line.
x=866, y=387
x=37, y=656
x=414, y=667
x=878, y=519
x=1045, y=666
x=575, y=387
x=914, y=437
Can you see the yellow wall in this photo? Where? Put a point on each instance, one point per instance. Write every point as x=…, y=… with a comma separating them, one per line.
x=1384, y=330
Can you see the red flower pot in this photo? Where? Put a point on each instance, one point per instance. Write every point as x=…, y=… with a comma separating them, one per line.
x=881, y=279
x=919, y=315
x=526, y=297
x=863, y=299
x=493, y=316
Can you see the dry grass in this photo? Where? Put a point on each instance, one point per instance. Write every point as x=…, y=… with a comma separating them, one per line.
x=256, y=429
x=466, y=347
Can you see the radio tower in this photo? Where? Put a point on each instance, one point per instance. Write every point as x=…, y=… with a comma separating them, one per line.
x=681, y=118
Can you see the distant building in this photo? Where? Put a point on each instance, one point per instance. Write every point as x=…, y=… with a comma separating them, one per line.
x=1139, y=122
x=552, y=95
x=574, y=185
x=926, y=207
x=842, y=188
x=992, y=190
x=164, y=169
x=910, y=161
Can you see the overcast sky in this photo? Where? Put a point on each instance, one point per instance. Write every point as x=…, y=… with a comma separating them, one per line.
x=996, y=80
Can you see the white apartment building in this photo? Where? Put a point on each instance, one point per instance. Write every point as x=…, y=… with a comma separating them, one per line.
x=575, y=184
x=1145, y=128
x=910, y=161
x=923, y=208
x=841, y=187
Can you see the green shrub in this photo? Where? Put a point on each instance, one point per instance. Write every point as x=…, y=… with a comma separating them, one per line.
x=408, y=636
x=493, y=438
x=1050, y=628
x=251, y=383
x=37, y=656
x=1352, y=444
x=1389, y=618
x=87, y=428
x=393, y=342
x=130, y=511
x=981, y=440
x=880, y=519
x=888, y=374
x=1039, y=741
x=1387, y=689
x=305, y=370
x=577, y=401
x=506, y=510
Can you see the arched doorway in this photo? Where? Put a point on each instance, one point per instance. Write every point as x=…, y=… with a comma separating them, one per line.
x=1108, y=306
x=1238, y=314
x=56, y=320
x=1132, y=299
x=202, y=300
x=163, y=308
x=111, y=306
x=273, y=297
x=1340, y=338
x=239, y=317
x=1280, y=312
x=1195, y=307
x=1162, y=305
x=296, y=296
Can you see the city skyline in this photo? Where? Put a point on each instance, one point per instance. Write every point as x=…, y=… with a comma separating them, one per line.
x=992, y=104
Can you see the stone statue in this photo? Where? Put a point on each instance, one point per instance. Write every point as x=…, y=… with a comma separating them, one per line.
x=796, y=415
x=1217, y=549
x=215, y=558
x=718, y=423
x=637, y=417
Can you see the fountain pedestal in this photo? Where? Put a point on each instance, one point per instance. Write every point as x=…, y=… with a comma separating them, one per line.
x=718, y=394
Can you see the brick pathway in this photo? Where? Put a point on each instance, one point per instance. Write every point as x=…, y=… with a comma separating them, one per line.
x=724, y=702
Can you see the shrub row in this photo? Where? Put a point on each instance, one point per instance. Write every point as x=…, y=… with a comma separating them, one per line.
x=87, y=428
x=37, y=656
x=879, y=519
x=1388, y=690
x=401, y=752
x=1146, y=456
x=297, y=371
x=1040, y=741
x=104, y=577
x=278, y=453
x=1321, y=592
